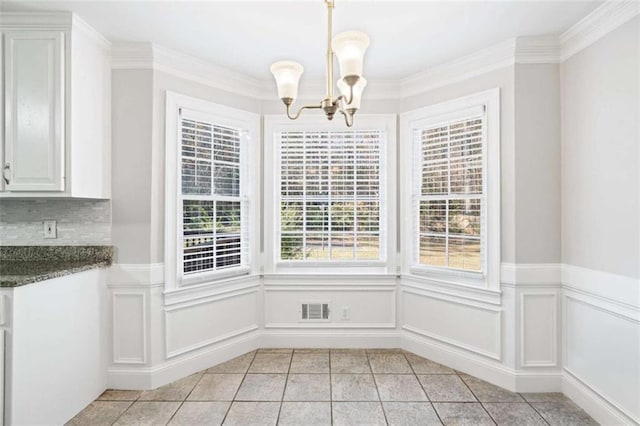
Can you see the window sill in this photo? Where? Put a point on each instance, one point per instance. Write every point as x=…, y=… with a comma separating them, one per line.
x=468, y=278
x=451, y=290
x=457, y=280
x=329, y=269
x=331, y=280
x=231, y=285
x=213, y=277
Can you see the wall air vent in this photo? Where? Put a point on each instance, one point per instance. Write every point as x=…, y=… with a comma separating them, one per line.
x=314, y=311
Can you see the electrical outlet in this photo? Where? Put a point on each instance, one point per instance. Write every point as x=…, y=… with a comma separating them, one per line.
x=345, y=312
x=50, y=230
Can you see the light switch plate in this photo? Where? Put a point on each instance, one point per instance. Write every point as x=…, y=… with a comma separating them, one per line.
x=345, y=313
x=50, y=229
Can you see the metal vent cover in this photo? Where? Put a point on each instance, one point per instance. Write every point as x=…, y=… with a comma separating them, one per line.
x=314, y=311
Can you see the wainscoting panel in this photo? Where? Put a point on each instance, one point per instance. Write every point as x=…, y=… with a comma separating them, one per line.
x=203, y=322
x=603, y=351
x=366, y=306
x=579, y=334
x=472, y=327
x=129, y=327
x=538, y=329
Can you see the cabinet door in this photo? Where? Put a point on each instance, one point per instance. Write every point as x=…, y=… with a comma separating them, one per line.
x=34, y=111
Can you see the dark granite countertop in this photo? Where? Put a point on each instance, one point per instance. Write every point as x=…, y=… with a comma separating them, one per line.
x=21, y=265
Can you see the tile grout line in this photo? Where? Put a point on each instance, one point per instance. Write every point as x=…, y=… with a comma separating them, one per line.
x=433, y=407
x=285, y=386
x=330, y=390
x=534, y=409
x=418, y=379
x=127, y=409
x=478, y=399
x=185, y=398
x=375, y=383
x=239, y=386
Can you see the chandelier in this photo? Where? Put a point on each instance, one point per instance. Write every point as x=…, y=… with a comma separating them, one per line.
x=349, y=47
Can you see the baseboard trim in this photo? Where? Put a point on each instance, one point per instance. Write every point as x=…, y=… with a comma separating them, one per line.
x=331, y=339
x=538, y=381
x=153, y=377
x=603, y=411
x=481, y=367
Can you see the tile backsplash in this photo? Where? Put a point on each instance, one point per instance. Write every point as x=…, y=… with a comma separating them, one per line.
x=79, y=222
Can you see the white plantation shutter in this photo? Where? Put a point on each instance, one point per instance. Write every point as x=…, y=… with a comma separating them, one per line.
x=450, y=198
x=331, y=197
x=213, y=204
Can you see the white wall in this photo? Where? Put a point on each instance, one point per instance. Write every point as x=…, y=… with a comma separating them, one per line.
x=601, y=218
x=600, y=146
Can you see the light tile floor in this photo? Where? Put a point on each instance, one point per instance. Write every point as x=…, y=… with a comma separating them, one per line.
x=330, y=387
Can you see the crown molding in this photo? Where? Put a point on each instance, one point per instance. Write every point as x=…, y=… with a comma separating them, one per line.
x=543, y=49
x=130, y=55
x=604, y=19
x=90, y=32
x=206, y=73
x=537, y=50
x=485, y=60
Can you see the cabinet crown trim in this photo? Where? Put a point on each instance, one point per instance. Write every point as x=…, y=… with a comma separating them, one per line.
x=36, y=21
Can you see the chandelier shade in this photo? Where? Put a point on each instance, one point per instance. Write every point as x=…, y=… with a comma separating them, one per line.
x=355, y=96
x=350, y=47
x=287, y=75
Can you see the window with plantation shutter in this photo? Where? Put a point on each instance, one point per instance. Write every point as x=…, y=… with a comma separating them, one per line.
x=450, y=191
x=331, y=196
x=452, y=149
x=212, y=198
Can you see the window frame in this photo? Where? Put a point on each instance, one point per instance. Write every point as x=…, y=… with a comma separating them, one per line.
x=224, y=116
x=446, y=112
x=386, y=123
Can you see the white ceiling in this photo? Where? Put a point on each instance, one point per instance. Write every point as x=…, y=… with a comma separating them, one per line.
x=406, y=36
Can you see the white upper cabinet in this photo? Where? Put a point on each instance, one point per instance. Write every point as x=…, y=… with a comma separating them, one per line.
x=57, y=107
x=34, y=111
